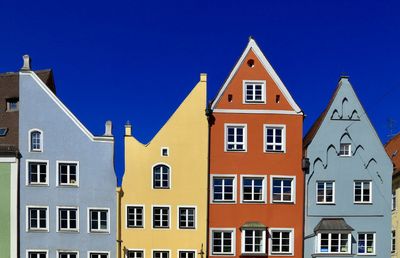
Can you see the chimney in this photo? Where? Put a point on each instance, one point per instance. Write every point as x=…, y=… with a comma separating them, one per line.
x=27, y=63
x=108, y=131
x=203, y=77
x=128, y=128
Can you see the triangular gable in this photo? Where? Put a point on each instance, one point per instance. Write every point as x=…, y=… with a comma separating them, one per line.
x=252, y=45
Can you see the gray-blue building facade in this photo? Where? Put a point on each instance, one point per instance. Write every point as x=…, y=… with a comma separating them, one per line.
x=67, y=179
x=348, y=182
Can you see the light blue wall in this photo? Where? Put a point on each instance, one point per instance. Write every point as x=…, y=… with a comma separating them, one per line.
x=325, y=164
x=63, y=141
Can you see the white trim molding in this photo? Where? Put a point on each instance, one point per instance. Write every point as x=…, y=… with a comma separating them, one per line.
x=235, y=125
x=256, y=111
x=169, y=176
x=263, y=92
x=234, y=177
x=27, y=172
x=135, y=250
x=98, y=252
x=264, y=190
x=178, y=216
x=143, y=216
x=283, y=136
x=98, y=231
x=67, y=251
x=160, y=250
x=233, y=241
x=27, y=222
x=69, y=162
x=30, y=140
x=291, y=246
x=169, y=216
x=293, y=188
x=37, y=251
x=178, y=251
x=58, y=208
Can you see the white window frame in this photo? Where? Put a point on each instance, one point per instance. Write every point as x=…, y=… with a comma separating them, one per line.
x=58, y=171
x=167, y=150
x=135, y=250
x=333, y=191
x=264, y=190
x=275, y=126
x=291, y=244
x=178, y=252
x=178, y=216
x=28, y=228
x=263, y=91
x=27, y=183
x=59, y=252
x=374, y=243
x=340, y=149
x=263, y=241
x=30, y=140
x=98, y=252
x=89, y=225
x=362, y=192
x=169, y=176
x=244, y=126
x=293, y=188
x=58, y=208
x=234, y=177
x=394, y=200
x=318, y=245
x=160, y=250
x=126, y=216
x=169, y=217
x=233, y=240
x=37, y=251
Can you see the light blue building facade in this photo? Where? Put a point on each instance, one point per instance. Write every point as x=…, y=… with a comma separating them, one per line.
x=67, y=179
x=348, y=183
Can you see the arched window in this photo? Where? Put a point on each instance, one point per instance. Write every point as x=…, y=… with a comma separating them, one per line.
x=161, y=176
x=36, y=140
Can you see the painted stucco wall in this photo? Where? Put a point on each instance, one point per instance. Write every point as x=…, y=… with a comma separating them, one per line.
x=368, y=162
x=186, y=136
x=5, y=176
x=64, y=140
x=396, y=215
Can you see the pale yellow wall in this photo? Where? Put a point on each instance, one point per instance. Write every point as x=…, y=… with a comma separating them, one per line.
x=396, y=216
x=186, y=136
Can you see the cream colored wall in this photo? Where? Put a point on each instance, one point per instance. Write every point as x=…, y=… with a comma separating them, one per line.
x=186, y=136
x=396, y=216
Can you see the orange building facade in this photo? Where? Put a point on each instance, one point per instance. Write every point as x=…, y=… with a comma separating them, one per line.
x=256, y=177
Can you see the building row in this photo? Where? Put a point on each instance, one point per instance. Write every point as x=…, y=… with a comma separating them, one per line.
x=232, y=178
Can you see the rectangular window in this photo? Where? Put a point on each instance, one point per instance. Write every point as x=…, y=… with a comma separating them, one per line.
x=235, y=137
x=362, y=192
x=345, y=150
x=393, y=200
x=98, y=220
x=67, y=255
x=187, y=254
x=68, y=174
x=282, y=189
x=275, y=138
x=253, y=189
x=254, y=92
x=37, y=173
x=393, y=241
x=12, y=104
x=3, y=131
x=253, y=241
x=222, y=242
x=223, y=189
x=68, y=219
x=135, y=217
x=37, y=218
x=366, y=243
x=281, y=241
x=135, y=254
x=98, y=255
x=325, y=192
x=160, y=254
x=160, y=217
x=334, y=242
x=35, y=254
x=187, y=218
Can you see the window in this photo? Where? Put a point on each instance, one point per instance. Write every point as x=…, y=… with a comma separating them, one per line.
x=275, y=138
x=135, y=216
x=222, y=242
x=253, y=189
x=366, y=243
x=164, y=152
x=35, y=254
x=67, y=255
x=235, y=137
x=362, y=192
x=187, y=218
x=68, y=219
x=187, y=254
x=3, y=131
x=36, y=141
x=160, y=217
x=393, y=200
x=281, y=241
x=98, y=255
x=12, y=104
x=37, y=218
x=98, y=220
x=345, y=150
x=68, y=174
x=223, y=189
x=254, y=91
x=160, y=254
x=253, y=241
x=393, y=241
x=334, y=242
x=325, y=192
x=282, y=189
x=135, y=254
x=161, y=177
x=37, y=173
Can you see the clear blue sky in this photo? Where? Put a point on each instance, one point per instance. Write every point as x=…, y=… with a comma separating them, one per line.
x=137, y=60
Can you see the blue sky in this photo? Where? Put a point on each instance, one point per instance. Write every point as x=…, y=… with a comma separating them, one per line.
x=137, y=60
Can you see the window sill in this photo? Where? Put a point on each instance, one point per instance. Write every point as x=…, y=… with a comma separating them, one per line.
x=253, y=254
x=332, y=255
x=68, y=231
x=278, y=202
x=322, y=203
x=68, y=186
x=272, y=151
x=38, y=230
x=37, y=185
x=99, y=232
x=362, y=203
x=253, y=202
x=223, y=254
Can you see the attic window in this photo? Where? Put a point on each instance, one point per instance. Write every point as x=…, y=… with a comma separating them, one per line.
x=3, y=131
x=12, y=104
x=164, y=151
x=277, y=98
x=250, y=63
x=230, y=97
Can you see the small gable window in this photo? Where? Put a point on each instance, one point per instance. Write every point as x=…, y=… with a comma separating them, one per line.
x=12, y=104
x=345, y=150
x=36, y=141
x=161, y=177
x=253, y=92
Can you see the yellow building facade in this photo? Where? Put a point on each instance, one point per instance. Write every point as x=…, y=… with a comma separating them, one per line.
x=395, y=216
x=163, y=197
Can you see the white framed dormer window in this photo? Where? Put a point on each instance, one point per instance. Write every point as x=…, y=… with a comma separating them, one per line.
x=37, y=172
x=161, y=254
x=253, y=241
x=135, y=254
x=67, y=173
x=186, y=253
x=254, y=92
x=325, y=192
x=161, y=176
x=366, y=244
x=68, y=219
x=223, y=188
x=161, y=217
x=274, y=138
x=223, y=241
x=283, y=189
x=334, y=243
x=362, y=192
x=99, y=220
x=37, y=218
x=253, y=189
x=35, y=140
x=186, y=217
x=67, y=254
x=281, y=241
x=37, y=253
x=345, y=150
x=235, y=137
x=135, y=216
x=96, y=254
